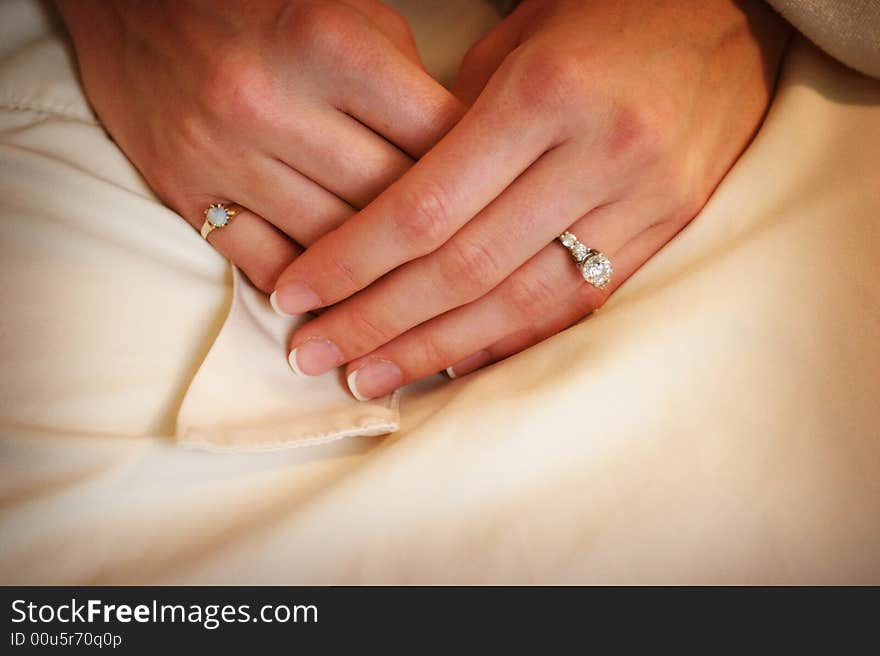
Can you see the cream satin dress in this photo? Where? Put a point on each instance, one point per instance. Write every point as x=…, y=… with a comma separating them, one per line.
x=718, y=421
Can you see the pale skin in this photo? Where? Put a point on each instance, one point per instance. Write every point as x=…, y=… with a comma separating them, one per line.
x=300, y=111
x=613, y=119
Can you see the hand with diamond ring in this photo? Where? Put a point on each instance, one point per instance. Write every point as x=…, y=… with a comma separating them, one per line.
x=298, y=111
x=614, y=120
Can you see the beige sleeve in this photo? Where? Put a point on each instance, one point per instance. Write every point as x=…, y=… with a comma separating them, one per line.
x=848, y=30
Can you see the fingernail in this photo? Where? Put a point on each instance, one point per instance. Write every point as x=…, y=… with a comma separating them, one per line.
x=273, y=301
x=374, y=379
x=294, y=298
x=469, y=364
x=314, y=357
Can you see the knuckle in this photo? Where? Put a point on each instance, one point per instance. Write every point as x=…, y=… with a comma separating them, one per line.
x=249, y=97
x=641, y=133
x=342, y=268
x=393, y=22
x=368, y=331
x=469, y=268
x=236, y=88
x=430, y=354
x=188, y=137
x=691, y=205
x=322, y=28
x=687, y=201
x=548, y=80
x=682, y=196
x=530, y=297
x=421, y=216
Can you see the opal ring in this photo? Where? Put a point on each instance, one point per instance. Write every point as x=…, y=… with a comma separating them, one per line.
x=593, y=265
x=218, y=216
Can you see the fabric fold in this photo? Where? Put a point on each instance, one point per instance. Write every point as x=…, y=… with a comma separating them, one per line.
x=245, y=397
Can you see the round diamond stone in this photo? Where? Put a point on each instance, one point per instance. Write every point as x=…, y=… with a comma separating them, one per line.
x=218, y=216
x=596, y=270
x=579, y=251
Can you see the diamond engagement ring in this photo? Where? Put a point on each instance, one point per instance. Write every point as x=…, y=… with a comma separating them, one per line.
x=593, y=265
x=218, y=216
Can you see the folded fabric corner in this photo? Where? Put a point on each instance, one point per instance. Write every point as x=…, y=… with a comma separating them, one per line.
x=244, y=396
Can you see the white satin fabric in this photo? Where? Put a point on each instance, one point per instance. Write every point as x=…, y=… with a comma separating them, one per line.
x=717, y=421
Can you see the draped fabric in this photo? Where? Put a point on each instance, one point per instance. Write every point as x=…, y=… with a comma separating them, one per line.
x=717, y=421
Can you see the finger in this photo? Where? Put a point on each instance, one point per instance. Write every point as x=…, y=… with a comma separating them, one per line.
x=641, y=249
x=479, y=158
x=341, y=155
x=484, y=57
x=397, y=99
x=250, y=242
x=290, y=201
x=482, y=254
x=573, y=310
x=511, y=317
x=363, y=74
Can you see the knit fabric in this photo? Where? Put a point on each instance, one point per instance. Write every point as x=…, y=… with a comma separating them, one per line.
x=848, y=30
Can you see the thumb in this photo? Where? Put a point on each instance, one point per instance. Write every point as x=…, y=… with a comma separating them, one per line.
x=483, y=59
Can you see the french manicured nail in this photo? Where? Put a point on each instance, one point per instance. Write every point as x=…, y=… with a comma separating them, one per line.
x=315, y=357
x=469, y=364
x=374, y=379
x=273, y=301
x=294, y=298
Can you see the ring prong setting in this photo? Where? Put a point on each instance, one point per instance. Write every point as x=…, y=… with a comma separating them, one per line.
x=596, y=270
x=594, y=266
x=217, y=215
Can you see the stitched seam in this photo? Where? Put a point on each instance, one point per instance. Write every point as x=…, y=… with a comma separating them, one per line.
x=42, y=108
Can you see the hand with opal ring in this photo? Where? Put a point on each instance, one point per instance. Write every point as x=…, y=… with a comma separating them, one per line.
x=614, y=120
x=297, y=113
